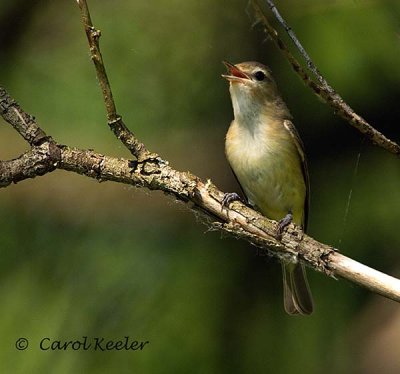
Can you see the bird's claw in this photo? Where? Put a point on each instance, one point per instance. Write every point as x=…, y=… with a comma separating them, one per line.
x=283, y=223
x=228, y=198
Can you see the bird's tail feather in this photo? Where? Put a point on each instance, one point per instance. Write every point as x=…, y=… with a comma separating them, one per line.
x=297, y=296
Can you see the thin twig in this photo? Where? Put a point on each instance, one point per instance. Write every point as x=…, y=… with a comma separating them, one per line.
x=322, y=89
x=114, y=119
x=310, y=64
x=241, y=221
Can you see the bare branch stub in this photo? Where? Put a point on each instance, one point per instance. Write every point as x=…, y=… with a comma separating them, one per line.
x=322, y=89
x=44, y=155
x=38, y=161
x=115, y=121
x=21, y=121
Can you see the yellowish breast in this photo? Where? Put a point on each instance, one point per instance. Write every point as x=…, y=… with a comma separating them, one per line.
x=266, y=162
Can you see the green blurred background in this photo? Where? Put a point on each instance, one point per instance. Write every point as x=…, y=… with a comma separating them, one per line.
x=79, y=258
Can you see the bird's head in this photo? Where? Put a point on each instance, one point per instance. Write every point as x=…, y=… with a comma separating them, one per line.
x=253, y=89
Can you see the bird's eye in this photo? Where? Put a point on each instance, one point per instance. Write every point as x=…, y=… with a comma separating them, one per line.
x=259, y=75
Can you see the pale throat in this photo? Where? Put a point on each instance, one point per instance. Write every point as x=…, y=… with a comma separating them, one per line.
x=245, y=109
x=250, y=109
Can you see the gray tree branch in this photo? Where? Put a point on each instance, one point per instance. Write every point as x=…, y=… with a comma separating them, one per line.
x=204, y=197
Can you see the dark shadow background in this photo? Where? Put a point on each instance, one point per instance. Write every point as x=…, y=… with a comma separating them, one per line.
x=81, y=258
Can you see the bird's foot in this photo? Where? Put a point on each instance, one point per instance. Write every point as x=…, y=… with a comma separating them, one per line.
x=283, y=223
x=230, y=197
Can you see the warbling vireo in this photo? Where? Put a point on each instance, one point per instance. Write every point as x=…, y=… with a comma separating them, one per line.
x=267, y=158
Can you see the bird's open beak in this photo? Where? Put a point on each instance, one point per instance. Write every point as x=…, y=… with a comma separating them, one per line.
x=235, y=74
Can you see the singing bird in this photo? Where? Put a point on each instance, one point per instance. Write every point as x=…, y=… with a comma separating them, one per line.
x=267, y=157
